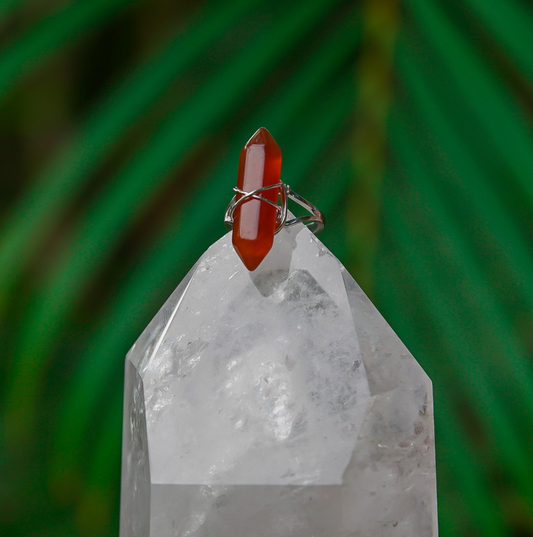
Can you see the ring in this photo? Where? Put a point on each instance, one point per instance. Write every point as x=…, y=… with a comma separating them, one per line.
x=314, y=221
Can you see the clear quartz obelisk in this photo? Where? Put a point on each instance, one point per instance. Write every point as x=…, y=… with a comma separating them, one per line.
x=276, y=403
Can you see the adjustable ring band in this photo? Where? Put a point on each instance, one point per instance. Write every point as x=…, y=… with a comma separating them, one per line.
x=315, y=221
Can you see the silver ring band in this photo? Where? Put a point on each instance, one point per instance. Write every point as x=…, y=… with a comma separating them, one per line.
x=315, y=221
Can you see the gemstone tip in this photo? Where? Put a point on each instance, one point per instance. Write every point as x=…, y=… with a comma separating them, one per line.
x=261, y=137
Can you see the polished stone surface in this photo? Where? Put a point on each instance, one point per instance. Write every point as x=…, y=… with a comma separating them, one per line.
x=276, y=403
x=255, y=220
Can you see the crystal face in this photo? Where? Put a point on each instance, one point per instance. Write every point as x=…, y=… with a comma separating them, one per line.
x=276, y=403
x=255, y=220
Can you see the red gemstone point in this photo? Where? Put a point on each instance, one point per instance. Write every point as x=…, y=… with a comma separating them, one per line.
x=254, y=221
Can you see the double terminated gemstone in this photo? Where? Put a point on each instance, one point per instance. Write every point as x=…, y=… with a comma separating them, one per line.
x=255, y=220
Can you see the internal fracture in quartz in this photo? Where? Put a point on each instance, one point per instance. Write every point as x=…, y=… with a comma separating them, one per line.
x=276, y=403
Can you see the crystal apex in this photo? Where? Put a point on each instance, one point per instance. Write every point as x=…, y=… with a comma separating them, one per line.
x=262, y=137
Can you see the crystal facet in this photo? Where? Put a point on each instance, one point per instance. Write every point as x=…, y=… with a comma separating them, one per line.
x=254, y=220
x=275, y=403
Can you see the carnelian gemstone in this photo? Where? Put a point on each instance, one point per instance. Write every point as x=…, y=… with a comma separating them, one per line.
x=254, y=221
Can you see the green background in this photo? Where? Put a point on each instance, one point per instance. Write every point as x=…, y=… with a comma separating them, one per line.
x=410, y=124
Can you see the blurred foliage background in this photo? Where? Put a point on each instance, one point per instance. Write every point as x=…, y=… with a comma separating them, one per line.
x=410, y=124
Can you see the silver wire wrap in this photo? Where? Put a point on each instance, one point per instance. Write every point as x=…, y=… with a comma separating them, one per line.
x=315, y=221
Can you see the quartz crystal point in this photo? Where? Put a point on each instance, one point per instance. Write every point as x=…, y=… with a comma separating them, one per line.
x=277, y=403
x=255, y=220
